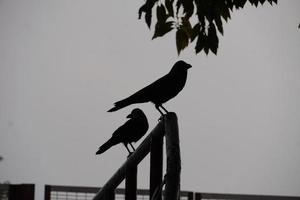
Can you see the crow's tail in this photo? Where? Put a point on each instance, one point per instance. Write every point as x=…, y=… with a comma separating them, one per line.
x=105, y=146
x=120, y=104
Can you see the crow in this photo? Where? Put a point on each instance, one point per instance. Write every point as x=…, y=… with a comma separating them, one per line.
x=131, y=131
x=159, y=91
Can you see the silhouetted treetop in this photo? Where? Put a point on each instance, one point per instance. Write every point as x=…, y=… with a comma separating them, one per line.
x=198, y=20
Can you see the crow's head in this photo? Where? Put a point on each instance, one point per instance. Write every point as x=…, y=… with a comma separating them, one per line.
x=180, y=66
x=136, y=113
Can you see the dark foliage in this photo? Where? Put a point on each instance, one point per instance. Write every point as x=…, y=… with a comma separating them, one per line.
x=207, y=15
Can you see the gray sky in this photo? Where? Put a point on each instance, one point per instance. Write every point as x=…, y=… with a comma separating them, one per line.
x=64, y=63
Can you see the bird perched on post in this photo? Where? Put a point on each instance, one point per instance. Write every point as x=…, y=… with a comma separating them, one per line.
x=131, y=131
x=159, y=91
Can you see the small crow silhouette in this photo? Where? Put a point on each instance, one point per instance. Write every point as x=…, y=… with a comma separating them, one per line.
x=159, y=91
x=131, y=131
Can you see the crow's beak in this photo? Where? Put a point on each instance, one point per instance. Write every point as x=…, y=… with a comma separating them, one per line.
x=129, y=116
x=188, y=66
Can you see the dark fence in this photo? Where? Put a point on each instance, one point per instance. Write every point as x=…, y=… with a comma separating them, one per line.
x=204, y=196
x=55, y=192
x=4, y=191
x=16, y=191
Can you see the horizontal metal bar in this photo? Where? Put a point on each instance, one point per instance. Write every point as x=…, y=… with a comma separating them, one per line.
x=59, y=188
x=243, y=197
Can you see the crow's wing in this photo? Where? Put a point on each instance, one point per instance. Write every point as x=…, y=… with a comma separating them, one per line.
x=148, y=93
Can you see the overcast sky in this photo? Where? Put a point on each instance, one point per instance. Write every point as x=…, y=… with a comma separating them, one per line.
x=64, y=63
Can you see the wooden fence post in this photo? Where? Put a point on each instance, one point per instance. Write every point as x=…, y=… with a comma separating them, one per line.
x=47, y=192
x=172, y=188
x=156, y=164
x=110, y=195
x=21, y=192
x=131, y=183
x=198, y=196
x=190, y=195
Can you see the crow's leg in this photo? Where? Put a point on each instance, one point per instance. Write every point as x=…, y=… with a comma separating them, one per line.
x=132, y=146
x=125, y=144
x=164, y=109
x=157, y=107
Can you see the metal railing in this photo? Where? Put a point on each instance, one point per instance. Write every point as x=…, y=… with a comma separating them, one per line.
x=216, y=196
x=56, y=192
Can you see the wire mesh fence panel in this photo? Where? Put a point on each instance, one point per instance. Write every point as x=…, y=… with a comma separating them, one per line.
x=88, y=193
x=119, y=196
x=142, y=197
x=53, y=192
x=58, y=195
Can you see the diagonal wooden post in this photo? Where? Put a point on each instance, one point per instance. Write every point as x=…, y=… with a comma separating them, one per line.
x=110, y=195
x=172, y=188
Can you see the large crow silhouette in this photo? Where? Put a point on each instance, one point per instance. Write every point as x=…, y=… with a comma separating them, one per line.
x=159, y=91
x=131, y=131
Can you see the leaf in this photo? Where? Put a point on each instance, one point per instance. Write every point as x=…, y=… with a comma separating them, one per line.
x=178, y=5
x=254, y=2
x=239, y=4
x=162, y=28
x=206, y=49
x=169, y=7
x=148, y=14
x=161, y=14
x=225, y=14
x=270, y=1
x=230, y=5
x=188, y=8
x=187, y=27
x=182, y=40
x=148, y=17
x=141, y=10
x=219, y=25
x=201, y=40
x=195, y=31
x=147, y=9
x=213, y=41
